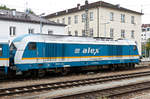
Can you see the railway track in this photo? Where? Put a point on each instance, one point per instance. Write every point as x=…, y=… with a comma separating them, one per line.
x=111, y=93
x=21, y=78
x=68, y=84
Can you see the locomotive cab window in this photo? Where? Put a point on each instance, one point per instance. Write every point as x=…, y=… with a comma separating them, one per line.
x=32, y=46
x=1, y=50
x=134, y=47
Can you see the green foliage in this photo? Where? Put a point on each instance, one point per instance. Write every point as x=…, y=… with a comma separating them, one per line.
x=29, y=11
x=146, y=49
x=148, y=44
x=5, y=8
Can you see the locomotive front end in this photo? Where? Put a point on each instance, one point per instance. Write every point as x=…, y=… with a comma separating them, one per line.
x=4, y=58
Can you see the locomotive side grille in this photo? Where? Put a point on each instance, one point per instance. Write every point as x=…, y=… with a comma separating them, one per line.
x=119, y=50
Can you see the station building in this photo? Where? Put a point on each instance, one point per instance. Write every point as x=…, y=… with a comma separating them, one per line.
x=100, y=19
x=14, y=23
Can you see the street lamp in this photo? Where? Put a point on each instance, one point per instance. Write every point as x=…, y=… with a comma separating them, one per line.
x=41, y=21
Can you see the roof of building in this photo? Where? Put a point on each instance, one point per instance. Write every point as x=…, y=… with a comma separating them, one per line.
x=12, y=15
x=89, y=6
x=145, y=25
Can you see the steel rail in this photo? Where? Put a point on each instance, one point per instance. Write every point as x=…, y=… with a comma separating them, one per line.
x=70, y=84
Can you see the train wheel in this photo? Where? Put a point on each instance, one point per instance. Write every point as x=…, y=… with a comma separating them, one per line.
x=41, y=73
x=112, y=67
x=65, y=71
x=132, y=66
x=38, y=73
x=26, y=74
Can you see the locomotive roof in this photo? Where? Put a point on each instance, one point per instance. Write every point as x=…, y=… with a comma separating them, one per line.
x=3, y=41
x=69, y=39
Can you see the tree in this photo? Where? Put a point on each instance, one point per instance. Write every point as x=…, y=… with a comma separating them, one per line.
x=148, y=47
x=29, y=11
x=4, y=7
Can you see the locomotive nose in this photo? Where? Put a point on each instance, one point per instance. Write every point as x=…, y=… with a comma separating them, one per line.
x=4, y=58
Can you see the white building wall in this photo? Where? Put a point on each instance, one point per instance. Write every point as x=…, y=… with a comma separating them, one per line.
x=22, y=28
x=101, y=20
x=145, y=35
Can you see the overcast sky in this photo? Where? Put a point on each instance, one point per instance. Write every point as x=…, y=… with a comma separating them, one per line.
x=51, y=6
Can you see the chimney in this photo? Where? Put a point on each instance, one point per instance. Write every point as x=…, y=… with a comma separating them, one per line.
x=86, y=2
x=78, y=6
x=118, y=5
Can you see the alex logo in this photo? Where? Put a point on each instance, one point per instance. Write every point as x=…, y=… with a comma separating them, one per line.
x=87, y=51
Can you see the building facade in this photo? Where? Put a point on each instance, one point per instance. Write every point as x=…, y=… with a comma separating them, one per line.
x=145, y=35
x=101, y=19
x=15, y=23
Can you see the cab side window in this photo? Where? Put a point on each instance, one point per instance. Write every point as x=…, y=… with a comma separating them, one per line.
x=134, y=47
x=32, y=46
x=1, y=50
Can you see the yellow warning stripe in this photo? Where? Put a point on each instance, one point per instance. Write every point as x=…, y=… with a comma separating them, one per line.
x=77, y=57
x=4, y=58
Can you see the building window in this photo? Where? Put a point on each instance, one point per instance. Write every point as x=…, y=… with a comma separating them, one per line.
x=132, y=34
x=12, y=31
x=75, y=19
x=148, y=29
x=122, y=33
x=69, y=32
x=111, y=16
x=63, y=20
x=83, y=32
x=76, y=33
x=143, y=30
x=50, y=32
x=123, y=18
x=57, y=20
x=1, y=50
x=111, y=32
x=91, y=16
x=91, y=32
x=83, y=17
x=132, y=19
x=69, y=20
x=30, y=31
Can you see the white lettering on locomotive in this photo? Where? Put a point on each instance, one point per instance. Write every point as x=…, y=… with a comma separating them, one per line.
x=87, y=51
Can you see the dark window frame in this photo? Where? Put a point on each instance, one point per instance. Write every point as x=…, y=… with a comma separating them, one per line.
x=134, y=47
x=1, y=50
x=122, y=18
x=111, y=16
x=12, y=30
x=30, y=30
x=122, y=33
x=32, y=46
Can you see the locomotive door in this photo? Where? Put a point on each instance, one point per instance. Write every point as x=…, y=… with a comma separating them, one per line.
x=49, y=53
x=40, y=52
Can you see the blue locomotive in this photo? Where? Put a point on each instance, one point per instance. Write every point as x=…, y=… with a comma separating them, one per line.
x=4, y=57
x=37, y=54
